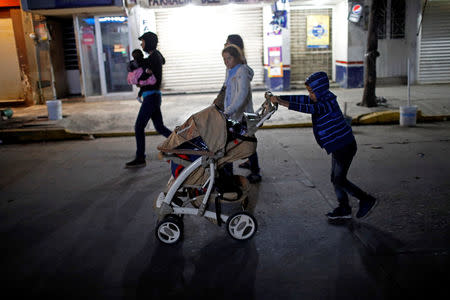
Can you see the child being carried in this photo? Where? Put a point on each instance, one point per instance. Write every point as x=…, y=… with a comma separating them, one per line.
x=136, y=73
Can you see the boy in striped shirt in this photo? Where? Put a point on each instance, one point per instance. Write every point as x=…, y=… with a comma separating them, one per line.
x=334, y=135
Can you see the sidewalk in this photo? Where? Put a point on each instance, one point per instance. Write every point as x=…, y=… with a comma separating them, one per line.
x=117, y=117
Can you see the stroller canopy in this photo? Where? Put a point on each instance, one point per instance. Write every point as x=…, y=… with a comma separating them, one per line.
x=205, y=131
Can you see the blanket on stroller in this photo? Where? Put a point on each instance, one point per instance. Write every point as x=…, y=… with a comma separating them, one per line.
x=207, y=133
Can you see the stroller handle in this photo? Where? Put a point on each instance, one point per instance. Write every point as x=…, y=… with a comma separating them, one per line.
x=267, y=106
x=257, y=119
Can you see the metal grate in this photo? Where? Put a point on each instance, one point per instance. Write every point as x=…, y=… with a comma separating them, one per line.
x=305, y=61
x=193, y=51
x=70, y=47
x=434, y=60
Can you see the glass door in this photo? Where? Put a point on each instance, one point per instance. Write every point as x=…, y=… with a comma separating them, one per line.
x=105, y=52
x=89, y=56
x=115, y=52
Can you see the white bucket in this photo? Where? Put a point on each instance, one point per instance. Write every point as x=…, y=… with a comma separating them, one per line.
x=54, y=109
x=408, y=115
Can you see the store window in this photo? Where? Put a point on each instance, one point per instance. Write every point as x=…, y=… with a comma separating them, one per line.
x=89, y=57
x=398, y=13
x=104, y=43
x=391, y=19
x=115, y=47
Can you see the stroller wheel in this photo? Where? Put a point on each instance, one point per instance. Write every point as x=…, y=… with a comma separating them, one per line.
x=241, y=226
x=170, y=229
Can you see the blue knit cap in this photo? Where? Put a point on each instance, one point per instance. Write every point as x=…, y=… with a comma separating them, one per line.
x=319, y=83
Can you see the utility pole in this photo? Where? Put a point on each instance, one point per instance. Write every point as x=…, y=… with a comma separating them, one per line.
x=370, y=64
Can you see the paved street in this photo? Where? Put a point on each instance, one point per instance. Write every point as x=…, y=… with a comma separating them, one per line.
x=75, y=224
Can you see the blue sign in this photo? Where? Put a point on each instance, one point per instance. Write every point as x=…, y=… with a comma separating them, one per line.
x=318, y=31
x=52, y=4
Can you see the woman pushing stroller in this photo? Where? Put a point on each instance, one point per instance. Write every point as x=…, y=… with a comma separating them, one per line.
x=238, y=95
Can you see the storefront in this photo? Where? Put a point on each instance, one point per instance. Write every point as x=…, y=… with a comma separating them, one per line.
x=192, y=34
x=11, y=84
x=434, y=43
x=191, y=38
x=94, y=36
x=285, y=41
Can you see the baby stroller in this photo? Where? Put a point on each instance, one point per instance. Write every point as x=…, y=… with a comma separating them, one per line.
x=197, y=151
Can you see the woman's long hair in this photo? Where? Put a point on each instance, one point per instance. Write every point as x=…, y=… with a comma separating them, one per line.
x=235, y=52
x=236, y=39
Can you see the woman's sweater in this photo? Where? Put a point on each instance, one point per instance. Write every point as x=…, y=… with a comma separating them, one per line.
x=239, y=93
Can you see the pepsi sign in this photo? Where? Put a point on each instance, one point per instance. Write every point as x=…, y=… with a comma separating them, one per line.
x=355, y=13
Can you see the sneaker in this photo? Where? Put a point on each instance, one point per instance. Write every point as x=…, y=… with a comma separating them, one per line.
x=340, y=213
x=254, y=178
x=366, y=207
x=245, y=165
x=136, y=163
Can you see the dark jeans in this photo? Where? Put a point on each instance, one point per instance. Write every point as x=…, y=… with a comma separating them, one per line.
x=340, y=163
x=254, y=164
x=150, y=109
x=253, y=161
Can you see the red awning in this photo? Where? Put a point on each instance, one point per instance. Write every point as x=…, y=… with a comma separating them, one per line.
x=9, y=3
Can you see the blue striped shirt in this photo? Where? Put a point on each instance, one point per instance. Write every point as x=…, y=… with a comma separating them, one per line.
x=329, y=126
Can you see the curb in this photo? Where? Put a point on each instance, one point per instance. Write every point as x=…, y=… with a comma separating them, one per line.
x=18, y=136
x=374, y=118
x=393, y=117
x=11, y=136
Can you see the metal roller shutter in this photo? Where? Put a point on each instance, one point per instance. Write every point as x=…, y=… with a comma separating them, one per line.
x=305, y=61
x=434, y=55
x=11, y=87
x=192, y=42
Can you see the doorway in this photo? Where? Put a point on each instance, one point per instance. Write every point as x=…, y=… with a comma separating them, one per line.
x=11, y=86
x=104, y=52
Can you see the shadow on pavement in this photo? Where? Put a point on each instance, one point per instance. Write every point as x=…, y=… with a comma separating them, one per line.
x=401, y=273
x=163, y=277
x=223, y=269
